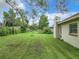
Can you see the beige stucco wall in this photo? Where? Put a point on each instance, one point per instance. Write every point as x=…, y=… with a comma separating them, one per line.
x=73, y=40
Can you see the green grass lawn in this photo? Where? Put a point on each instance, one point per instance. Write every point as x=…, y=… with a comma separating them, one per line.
x=35, y=46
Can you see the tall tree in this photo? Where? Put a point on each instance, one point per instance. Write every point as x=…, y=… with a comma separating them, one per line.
x=6, y=19
x=23, y=16
x=13, y=4
x=43, y=22
x=9, y=18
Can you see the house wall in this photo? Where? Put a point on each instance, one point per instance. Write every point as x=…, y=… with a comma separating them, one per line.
x=56, y=27
x=73, y=40
x=59, y=32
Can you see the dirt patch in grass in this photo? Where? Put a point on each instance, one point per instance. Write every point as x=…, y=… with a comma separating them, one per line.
x=36, y=48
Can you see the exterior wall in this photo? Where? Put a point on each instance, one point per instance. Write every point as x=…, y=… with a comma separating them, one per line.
x=56, y=27
x=56, y=34
x=59, y=32
x=73, y=40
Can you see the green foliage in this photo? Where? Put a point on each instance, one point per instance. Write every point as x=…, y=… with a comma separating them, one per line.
x=43, y=22
x=9, y=18
x=6, y=18
x=18, y=22
x=17, y=31
x=4, y=31
x=14, y=30
x=23, y=17
x=23, y=29
x=12, y=21
x=43, y=4
x=47, y=30
x=34, y=27
x=9, y=30
x=44, y=25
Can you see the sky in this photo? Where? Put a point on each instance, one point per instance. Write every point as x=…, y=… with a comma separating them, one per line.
x=72, y=5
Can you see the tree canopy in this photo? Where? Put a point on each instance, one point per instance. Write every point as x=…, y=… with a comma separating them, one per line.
x=43, y=22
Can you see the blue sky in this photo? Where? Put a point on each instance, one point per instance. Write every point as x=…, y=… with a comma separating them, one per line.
x=72, y=5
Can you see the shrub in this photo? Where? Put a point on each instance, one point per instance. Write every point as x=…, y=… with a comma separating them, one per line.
x=47, y=30
x=33, y=27
x=9, y=30
x=23, y=29
x=4, y=31
x=17, y=31
x=14, y=30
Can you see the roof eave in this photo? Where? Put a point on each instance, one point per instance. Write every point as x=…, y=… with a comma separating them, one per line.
x=69, y=18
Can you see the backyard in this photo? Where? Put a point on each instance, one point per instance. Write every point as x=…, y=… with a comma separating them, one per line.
x=33, y=45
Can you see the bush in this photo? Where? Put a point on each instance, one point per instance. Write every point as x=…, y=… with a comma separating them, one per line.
x=17, y=31
x=14, y=30
x=33, y=27
x=47, y=30
x=9, y=30
x=23, y=29
x=4, y=31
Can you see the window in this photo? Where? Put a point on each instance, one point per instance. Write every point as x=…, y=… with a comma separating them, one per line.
x=73, y=29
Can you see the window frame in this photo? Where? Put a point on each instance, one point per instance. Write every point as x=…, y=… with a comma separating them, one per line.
x=72, y=27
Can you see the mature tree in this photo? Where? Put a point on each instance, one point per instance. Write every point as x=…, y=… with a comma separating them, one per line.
x=18, y=21
x=12, y=16
x=6, y=18
x=23, y=15
x=43, y=22
x=9, y=18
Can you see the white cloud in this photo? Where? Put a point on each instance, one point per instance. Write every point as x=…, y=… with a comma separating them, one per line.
x=51, y=16
x=21, y=6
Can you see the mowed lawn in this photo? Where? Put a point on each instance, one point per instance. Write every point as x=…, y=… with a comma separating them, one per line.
x=35, y=46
